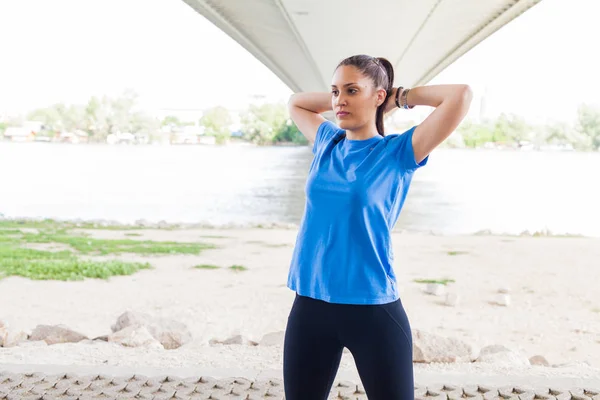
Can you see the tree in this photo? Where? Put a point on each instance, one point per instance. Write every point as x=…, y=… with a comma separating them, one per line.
x=589, y=124
x=262, y=123
x=511, y=129
x=475, y=135
x=289, y=132
x=217, y=121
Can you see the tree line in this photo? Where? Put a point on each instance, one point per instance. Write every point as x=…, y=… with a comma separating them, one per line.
x=269, y=123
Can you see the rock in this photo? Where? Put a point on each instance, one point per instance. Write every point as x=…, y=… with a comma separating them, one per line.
x=501, y=355
x=492, y=349
x=273, y=339
x=103, y=338
x=171, y=334
x=239, y=339
x=436, y=289
x=235, y=339
x=452, y=299
x=504, y=289
x=428, y=348
x=14, y=338
x=539, y=360
x=53, y=334
x=3, y=332
x=502, y=300
x=135, y=336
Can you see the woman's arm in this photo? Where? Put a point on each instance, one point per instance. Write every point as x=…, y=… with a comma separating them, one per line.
x=305, y=110
x=451, y=104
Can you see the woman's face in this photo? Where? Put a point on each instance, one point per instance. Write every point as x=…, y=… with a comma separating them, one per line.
x=354, y=98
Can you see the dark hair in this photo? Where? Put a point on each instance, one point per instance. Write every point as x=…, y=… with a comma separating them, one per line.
x=381, y=72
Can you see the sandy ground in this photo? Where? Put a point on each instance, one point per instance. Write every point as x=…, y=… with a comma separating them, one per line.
x=553, y=283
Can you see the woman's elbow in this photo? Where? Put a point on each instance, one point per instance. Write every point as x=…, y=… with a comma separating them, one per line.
x=466, y=94
x=464, y=97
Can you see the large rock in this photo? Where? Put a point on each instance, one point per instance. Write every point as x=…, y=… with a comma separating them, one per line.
x=14, y=338
x=429, y=348
x=53, y=334
x=135, y=336
x=273, y=339
x=235, y=339
x=171, y=334
x=539, y=360
x=3, y=332
x=10, y=338
x=501, y=355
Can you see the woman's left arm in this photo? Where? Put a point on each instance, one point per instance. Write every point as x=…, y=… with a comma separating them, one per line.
x=451, y=104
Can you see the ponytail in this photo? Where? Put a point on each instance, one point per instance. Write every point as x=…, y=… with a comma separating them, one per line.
x=389, y=87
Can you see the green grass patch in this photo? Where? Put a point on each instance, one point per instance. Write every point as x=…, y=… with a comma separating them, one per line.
x=206, y=266
x=17, y=260
x=88, y=245
x=236, y=268
x=440, y=281
x=53, y=224
x=457, y=252
x=62, y=265
x=596, y=310
x=41, y=224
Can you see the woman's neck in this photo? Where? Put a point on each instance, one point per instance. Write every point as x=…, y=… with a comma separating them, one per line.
x=362, y=133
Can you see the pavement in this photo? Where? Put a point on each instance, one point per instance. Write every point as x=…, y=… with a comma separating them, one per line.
x=48, y=382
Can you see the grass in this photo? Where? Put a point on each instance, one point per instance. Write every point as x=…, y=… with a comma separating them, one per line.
x=17, y=260
x=42, y=224
x=53, y=224
x=457, y=252
x=206, y=266
x=440, y=281
x=62, y=265
x=596, y=310
x=87, y=245
x=236, y=268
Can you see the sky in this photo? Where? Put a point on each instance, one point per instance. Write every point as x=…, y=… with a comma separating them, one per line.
x=541, y=66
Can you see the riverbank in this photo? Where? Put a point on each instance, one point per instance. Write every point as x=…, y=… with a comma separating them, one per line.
x=534, y=295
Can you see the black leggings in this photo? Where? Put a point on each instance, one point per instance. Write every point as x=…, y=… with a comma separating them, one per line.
x=378, y=336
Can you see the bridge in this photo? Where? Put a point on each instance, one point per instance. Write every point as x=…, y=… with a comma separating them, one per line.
x=302, y=41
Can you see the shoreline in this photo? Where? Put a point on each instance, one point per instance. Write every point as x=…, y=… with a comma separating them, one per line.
x=166, y=225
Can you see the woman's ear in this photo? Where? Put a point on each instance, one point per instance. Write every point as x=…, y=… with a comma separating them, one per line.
x=381, y=94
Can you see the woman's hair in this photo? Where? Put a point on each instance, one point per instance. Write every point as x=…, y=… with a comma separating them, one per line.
x=381, y=71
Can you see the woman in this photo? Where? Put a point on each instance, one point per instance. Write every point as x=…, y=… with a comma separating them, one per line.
x=341, y=269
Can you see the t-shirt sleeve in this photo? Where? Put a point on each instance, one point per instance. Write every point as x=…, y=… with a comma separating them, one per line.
x=325, y=133
x=402, y=149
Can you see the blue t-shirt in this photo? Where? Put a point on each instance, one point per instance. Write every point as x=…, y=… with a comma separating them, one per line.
x=354, y=193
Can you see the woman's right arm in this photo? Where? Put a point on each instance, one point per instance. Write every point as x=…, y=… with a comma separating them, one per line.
x=305, y=110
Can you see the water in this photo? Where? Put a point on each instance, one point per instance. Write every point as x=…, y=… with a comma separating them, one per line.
x=459, y=191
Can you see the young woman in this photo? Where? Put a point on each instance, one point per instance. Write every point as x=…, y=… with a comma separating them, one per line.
x=341, y=269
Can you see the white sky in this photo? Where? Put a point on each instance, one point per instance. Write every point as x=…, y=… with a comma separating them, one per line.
x=540, y=66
